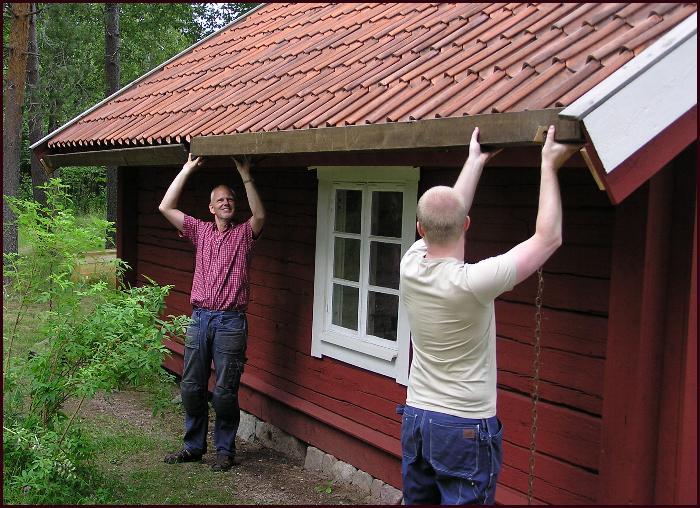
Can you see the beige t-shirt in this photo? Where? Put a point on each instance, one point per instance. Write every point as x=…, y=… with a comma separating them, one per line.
x=453, y=329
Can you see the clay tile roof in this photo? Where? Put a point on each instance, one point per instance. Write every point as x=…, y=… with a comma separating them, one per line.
x=304, y=66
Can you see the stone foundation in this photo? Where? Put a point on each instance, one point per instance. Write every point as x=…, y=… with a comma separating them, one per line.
x=254, y=430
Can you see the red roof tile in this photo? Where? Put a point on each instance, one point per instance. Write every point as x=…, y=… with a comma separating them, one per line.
x=303, y=66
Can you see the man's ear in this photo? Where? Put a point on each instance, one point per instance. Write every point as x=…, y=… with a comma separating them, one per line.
x=467, y=223
x=420, y=229
x=211, y=209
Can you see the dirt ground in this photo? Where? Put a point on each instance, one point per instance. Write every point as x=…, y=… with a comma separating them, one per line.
x=265, y=476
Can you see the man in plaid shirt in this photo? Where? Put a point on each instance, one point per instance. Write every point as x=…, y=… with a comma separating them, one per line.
x=219, y=298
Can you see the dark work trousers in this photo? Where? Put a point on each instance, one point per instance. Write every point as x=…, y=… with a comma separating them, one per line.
x=221, y=336
x=448, y=459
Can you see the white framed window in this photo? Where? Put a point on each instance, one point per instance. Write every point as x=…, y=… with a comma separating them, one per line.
x=365, y=223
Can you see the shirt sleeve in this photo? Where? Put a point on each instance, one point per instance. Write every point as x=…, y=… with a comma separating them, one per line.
x=417, y=250
x=248, y=235
x=190, y=228
x=489, y=278
x=249, y=226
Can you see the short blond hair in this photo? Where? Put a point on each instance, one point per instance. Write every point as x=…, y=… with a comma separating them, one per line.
x=441, y=212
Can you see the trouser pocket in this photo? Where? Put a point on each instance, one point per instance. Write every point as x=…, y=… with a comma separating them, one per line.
x=455, y=449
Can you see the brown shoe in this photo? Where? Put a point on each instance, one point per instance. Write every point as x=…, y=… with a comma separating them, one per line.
x=222, y=463
x=183, y=455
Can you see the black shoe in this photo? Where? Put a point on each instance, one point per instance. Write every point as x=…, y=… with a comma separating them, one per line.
x=223, y=462
x=183, y=455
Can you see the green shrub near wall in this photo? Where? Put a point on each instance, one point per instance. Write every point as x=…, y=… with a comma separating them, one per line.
x=86, y=336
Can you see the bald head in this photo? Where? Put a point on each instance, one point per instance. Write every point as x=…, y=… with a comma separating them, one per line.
x=441, y=213
x=221, y=187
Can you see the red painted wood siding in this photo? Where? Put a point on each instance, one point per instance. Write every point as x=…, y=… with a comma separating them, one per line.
x=280, y=316
x=651, y=368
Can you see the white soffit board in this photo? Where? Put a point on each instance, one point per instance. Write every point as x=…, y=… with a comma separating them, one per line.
x=639, y=100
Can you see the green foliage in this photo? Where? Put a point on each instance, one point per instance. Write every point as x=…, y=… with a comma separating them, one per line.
x=152, y=33
x=92, y=337
x=51, y=233
x=213, y=17
x=326, y=488
x=115, y=344
x=71, y=43
x=42, y=468
x=87, y=188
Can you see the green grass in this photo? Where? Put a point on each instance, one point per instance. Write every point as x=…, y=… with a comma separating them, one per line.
x=131, y=457
x=24, y=335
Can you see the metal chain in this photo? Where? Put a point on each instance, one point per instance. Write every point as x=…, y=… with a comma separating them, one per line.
x=535, y=382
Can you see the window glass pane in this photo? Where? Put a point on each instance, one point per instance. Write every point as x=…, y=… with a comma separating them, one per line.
x=345, y=300
x=382, y=315
x=348, y=211
x=346, y=259
x=387, y=211
x=384, y=260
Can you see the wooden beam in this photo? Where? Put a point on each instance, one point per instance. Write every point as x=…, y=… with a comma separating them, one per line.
x=497, y=130
x=140, y=156
x=424, y=136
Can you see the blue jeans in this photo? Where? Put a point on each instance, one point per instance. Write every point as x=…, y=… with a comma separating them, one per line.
x=221, y=336
x=448, y=459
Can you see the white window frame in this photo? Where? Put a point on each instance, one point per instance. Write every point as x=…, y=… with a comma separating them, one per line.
x=372, y=353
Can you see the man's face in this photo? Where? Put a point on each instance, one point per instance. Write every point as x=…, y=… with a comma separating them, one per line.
x=222, y=204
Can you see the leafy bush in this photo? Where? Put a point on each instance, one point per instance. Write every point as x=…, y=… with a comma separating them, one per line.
x=91, y=337
x=88, y=188
x=40, y=468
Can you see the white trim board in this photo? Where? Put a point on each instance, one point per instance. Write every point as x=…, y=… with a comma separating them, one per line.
x=638, y=101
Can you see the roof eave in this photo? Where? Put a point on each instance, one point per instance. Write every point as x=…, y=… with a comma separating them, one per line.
x=164, y=155
x=643, y=115
x=496, y=130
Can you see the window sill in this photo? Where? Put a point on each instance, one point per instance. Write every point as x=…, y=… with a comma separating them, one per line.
x=360, y=345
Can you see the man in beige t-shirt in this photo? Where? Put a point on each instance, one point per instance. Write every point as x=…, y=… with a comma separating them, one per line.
x=450, y=434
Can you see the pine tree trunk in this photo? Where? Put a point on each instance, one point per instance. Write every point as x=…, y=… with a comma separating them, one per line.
x=54, y=123
x=34, y=110
x=112, y=75
x=13, y=95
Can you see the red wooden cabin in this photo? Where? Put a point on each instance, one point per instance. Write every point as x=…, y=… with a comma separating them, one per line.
x=353, y=110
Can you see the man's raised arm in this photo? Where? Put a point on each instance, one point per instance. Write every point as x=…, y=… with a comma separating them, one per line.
x=533, y=252
x=168, y=206
x=471, y=171
x=256, y=207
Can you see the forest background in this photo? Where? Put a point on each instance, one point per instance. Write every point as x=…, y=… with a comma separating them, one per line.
x=75, y=55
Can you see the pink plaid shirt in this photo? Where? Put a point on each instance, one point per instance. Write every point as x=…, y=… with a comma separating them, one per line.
x=220, y=280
